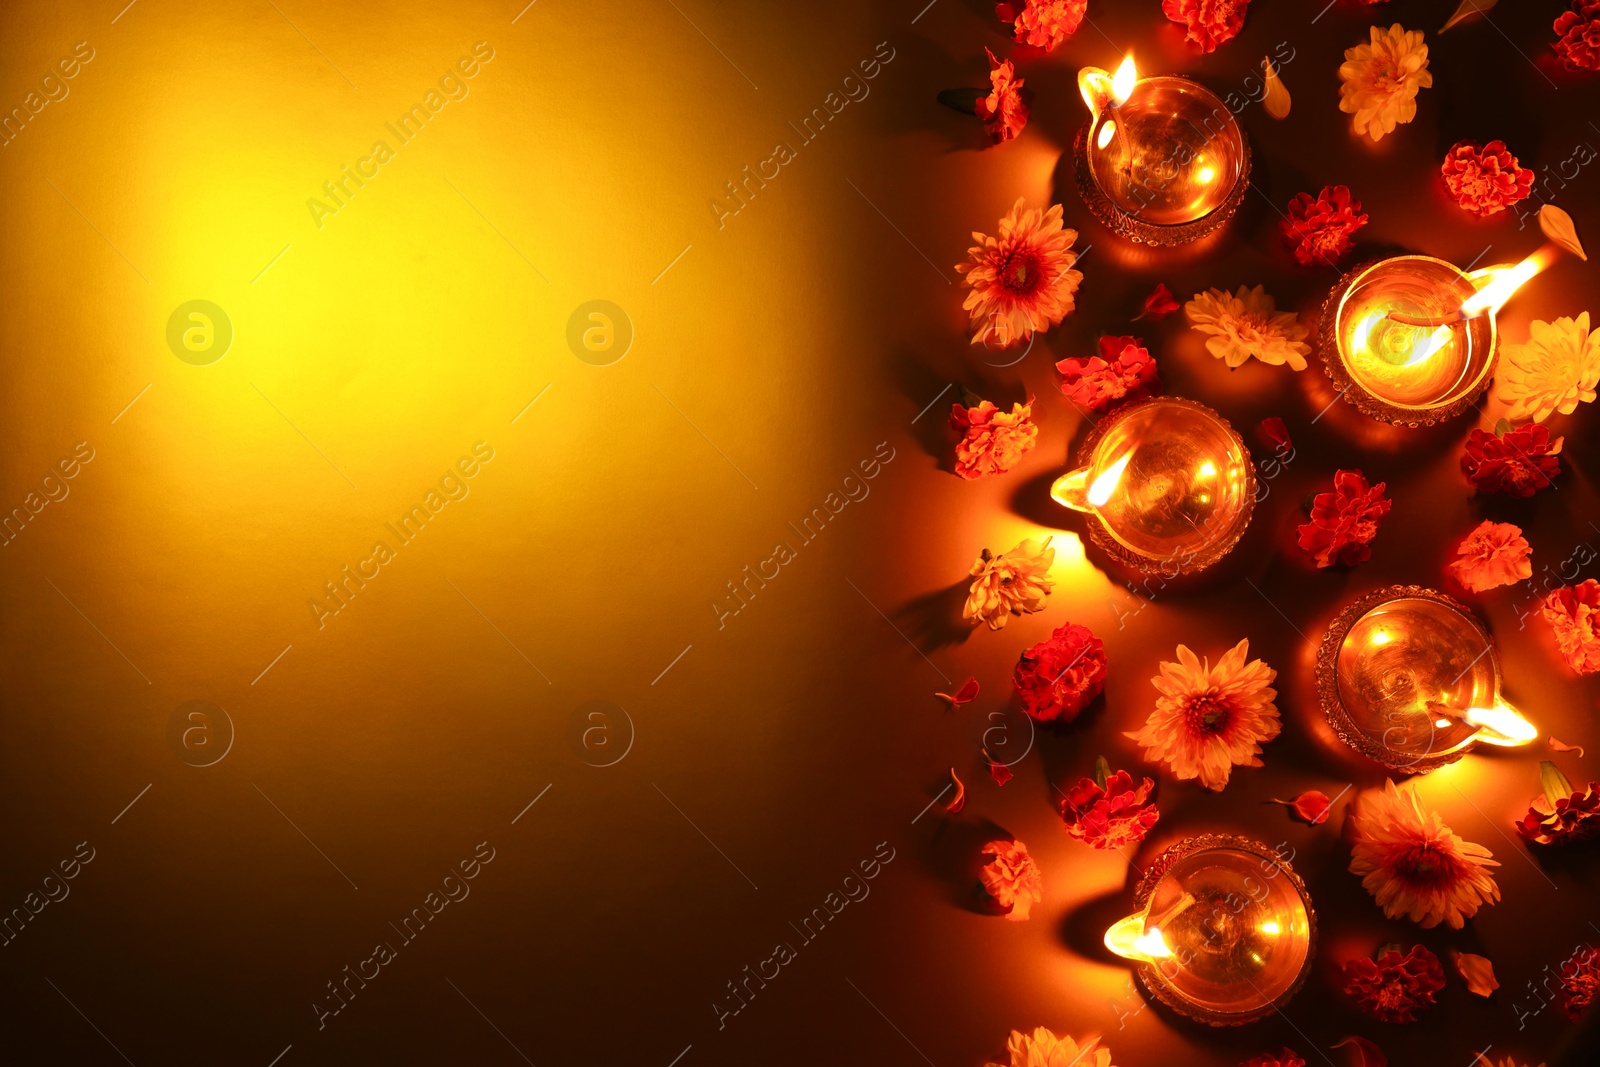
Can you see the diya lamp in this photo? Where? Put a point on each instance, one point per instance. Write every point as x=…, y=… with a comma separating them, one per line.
x=1226, y=933
x=1409, y=678
x=1412, y=340
x=1167, y=484
x=1162, y=160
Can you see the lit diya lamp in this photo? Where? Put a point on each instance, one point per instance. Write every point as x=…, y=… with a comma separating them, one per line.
x=1227, y=933
x=1412, y=340
x=1167, y=483
x=1162, y=160
x=1409, y=678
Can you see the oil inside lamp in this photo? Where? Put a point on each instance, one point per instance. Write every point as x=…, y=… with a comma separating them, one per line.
x=1168, y=483
x=1226, y=933
x=1162, y=160
x=1410, y=679
x=1412, y=339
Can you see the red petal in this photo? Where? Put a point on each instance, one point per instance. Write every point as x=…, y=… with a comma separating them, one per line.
x=960, y=801
x=1478, y=971
x=1276, y=434
x=1312, y=806
x=1158, y=303
x=1367, y=1054
x=1562, y=746
x=1000, y=773
x=964, y=695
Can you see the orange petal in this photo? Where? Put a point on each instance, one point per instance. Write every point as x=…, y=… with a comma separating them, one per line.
x=1562, y=746
x=960, y=801
x=1000, y=773
x=1478, y=972
x=1313, y=806
x=964, y=695
x=1367, y=1054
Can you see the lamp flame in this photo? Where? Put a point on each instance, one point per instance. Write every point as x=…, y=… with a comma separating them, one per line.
x=1501, y=725
x=1105, y=482
x=1129, y=939
x=1503, y=282
x=1123, y=81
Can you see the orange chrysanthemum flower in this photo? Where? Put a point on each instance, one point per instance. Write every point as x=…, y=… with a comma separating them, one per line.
x=1022, y=280
x=1209, y=720
x=1011, y=877
x=1492, y=555
x=1414, y=865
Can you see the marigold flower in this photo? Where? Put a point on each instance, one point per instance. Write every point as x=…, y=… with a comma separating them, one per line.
x=1209, y=720
x=1555, y=369
x=1414, y=865
x=1580, y=981
x=1011, y=877
x=1208, y=23
x=1248, y=323
x=1123, y=370
x=1485, y=179
x=1344, y=522
x=1042, y=23
x=1396, y=986
x=992, y=441
x=1059, y=676
x=1578, y=36
x=1381, y=79
x=1010, y=584
x=1044, y=1049
x=1492, y=555
x=1562, y=815
x=1518, y=462
x=1284, y=1057
x=1317, y=228
x=1112, y=815
x=1573, y=612
x=1021, y=281
x=1002, y=111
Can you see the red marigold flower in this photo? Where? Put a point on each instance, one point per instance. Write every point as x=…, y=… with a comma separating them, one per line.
x=1485, y=179
x=1058, y=677
x=1580, y=980
x=1158, y=304
x=1572, y=818
x=1208, y=22
x=1492, y=555
x=1578, y=36
x=1344, y=522
x=1002, y=111
x=1124, y=369
x=1284, y=1057
x=1012, y=877
x=1396, y=986
x=1573, y=612
x=1518, y=462
x=992, y=441
x=1042, y=23
x=1317, y=228
x=1112, y=815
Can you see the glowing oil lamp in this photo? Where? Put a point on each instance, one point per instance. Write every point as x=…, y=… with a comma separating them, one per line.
x=1409, y=678
x=1226, y=933
x=1412, y=340
x=1162, y=160
x=1167, y=483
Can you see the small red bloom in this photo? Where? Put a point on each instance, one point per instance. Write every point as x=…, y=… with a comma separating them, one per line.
x=1396, y=986
x=1276, y=435
x=1002, y=111
x=1317, y=228
x=1209, y=22
x=1124, y=369
x=1042, y=23
x=1111, y=816
x=1344, y=522
x=1519, y=462
x=1580, y=980
x=1573, y=612
x=1578, y=36
x=1485, y=179
x=1158, y=304
x=1284, y=1057
x=1312, y=806
x=1058, y=677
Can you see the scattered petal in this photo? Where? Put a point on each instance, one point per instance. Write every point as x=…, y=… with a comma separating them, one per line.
x=1367, y=1054
x=1478, y=972
x=960, y=800
x=964, y=695
x=1557, y=225
x=1276, y=435
x=1276, y=96
x=1000, y=773
x=1468, y=9
x=1313, y=806
x=1562, y=746
x=1158, y=304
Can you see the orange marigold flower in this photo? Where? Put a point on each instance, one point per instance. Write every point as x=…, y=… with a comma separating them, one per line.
x=1059, y=676
x=1317, y=228
x=1209, y=720
x=1042, y=23
x=1580, y=981
x=992, y=441
x=1573, y=612
x=1002, y=111
x=1011, y=877
x=1112, y=815
x=1396, y=986
x=1123, y=370
x=1578, y=36
x=1010, y=584
x=1518, y=462
x=1022, y=280
x=1414, y=865
x=1208, y=22
x=1492, y=555
x=1344, y=522
x=1485, y=179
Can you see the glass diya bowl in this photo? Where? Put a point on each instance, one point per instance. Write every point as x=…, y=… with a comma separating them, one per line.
x=1167, y=484
x=1427, y=366
x=1410, y=679
x=1168, y=166
x=1226, y=934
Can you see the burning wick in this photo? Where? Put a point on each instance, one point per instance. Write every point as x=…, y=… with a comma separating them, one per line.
x=1499, y=725
x=1503, y=282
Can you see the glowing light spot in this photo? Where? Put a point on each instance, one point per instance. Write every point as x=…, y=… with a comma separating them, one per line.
x=1501, y=725
x=1206, y=175
x=1380, y=637
x=1122, y=83
x=1208, y=469
x=1107, y=131
x=1271, y=927
x=1105, y=483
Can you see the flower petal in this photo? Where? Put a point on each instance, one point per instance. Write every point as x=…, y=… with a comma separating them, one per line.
x=1276, y=96
x=1367, y=1054
x=1557, y=225
x=960, y=800
x=1562, y=746
x=1468, y=9
x=964, y=695
x=1478, y=972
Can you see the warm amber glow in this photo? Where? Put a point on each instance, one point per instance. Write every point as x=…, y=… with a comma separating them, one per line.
x=1129, y=939
x=1271, y=927
x=1501, y=725
x=1206, y=175
x=1503, y=282
x=1105, y=483
x=1122, y=83
x=1107, y=131
x=1380, y=637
